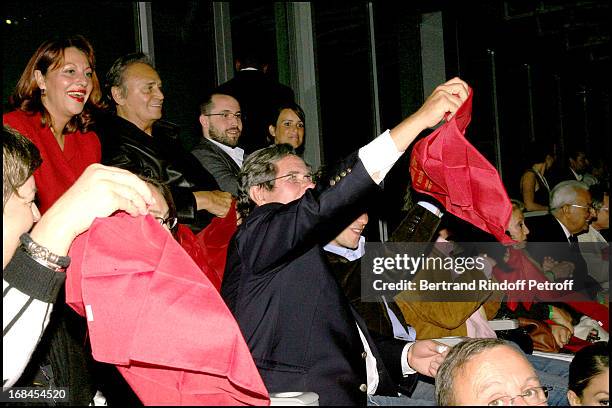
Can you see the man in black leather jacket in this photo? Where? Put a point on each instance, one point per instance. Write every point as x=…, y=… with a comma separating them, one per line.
x=134, y=138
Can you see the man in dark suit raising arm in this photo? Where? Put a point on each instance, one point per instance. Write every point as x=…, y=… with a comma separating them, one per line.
x=299, y=326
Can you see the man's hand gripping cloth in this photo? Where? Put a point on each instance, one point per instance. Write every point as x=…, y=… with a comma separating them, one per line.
x=447, y=167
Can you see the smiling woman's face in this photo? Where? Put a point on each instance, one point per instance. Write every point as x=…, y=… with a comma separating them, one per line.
x=289, y=129
x=67, y=87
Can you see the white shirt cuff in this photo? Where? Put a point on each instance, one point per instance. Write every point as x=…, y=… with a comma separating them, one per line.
x=431, y=208
x=406, y=369
x=379, y=156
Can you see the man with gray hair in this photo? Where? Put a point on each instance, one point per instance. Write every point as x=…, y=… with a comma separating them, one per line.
x=488, y=372
x=571, y=204
x=299, y=326
x=571, y=209
x=134, y=138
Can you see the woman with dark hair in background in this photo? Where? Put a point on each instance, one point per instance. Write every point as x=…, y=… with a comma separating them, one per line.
x=534, y=186
x=53, y=102
x=589, y=377
x=289, y=126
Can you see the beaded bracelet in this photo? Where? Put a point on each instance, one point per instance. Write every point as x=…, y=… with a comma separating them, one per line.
x=42, y=255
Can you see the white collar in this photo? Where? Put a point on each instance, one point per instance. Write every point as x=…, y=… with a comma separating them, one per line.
x=578, y=176
x=236, y=153
x=348, y=253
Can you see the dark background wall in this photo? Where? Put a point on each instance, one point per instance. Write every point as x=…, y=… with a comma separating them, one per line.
x=539, y=69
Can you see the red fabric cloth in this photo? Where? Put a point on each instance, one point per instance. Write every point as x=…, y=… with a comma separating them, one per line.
x=524, y=269
x=575, y=344
x=209, y=247
x=59, y=169
x=152, y=312
x=447, y=167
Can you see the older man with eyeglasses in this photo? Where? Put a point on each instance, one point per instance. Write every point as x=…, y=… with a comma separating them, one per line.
x=299, y=326
x=488, y=372
x=571, y=209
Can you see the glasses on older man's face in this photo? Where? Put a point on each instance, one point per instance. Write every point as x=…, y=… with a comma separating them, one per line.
x=294, y=178
x=169, y=222
x=587, y=207
x=531, y=396
x=227, y=115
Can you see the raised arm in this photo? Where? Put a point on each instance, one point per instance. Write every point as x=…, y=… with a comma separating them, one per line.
x=444, y=100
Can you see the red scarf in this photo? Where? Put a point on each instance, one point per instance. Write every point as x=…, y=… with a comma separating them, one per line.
x=208, y=248
x=153, y=313
x=447, y=167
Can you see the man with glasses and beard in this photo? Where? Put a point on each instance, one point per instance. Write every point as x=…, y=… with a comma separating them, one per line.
x=221, y=122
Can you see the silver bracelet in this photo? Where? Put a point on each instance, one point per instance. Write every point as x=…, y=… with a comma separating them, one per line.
x=42, y=255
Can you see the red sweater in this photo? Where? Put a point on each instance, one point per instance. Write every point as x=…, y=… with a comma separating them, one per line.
x=59, y=169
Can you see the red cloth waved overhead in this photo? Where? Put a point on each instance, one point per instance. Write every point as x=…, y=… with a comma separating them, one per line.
x=447, y=167
x=153, y=313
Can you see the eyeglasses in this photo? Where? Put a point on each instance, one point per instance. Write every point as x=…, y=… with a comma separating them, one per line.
x=170, y=222
x=531, y=396
x=587, y=207
x=294, y=178
x=227, y=115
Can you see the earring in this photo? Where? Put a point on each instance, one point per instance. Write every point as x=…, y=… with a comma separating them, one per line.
x=43, y=91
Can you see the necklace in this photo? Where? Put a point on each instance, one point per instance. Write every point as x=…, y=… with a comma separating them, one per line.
x=541, y=177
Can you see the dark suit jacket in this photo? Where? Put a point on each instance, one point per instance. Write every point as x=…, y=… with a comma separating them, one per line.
x=223, y=168
x=559, y=174
x=160, y=157
x=259, y=96
x=297, y=322
x=375, y=316
x=546, y=229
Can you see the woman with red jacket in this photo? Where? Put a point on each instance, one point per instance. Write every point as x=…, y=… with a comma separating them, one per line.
x=53, y=103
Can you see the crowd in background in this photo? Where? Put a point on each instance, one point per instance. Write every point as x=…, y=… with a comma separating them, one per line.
x=281, y=245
